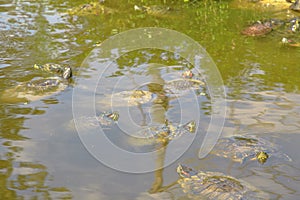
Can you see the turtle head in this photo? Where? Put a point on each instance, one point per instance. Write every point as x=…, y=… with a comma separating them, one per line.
x=187, y=74
x=67, y=73
x=191, y=126
x=185, y=171
x=140, y=8
x=262, y=157
x=114, y=116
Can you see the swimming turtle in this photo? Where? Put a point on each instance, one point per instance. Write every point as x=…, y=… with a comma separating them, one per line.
x=126, y=98
x=187, y=74
x=215, y=186
x=107, y=118
x=135, y=96
x=187, y=81
x=40, y=87
x=92, y=8
x=161, y=133
x=154, y=10
x=243, y=148
x=182, y=84
x=261, y=28
x=103, y=120
x=62, y=71
x=35, y=89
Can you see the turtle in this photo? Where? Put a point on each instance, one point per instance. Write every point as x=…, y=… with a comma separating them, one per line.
x=135, y=96
x=295, y=6
x=261, y=28
x=35, y=89
x=182, y=84
x=215, y=185
x=187, y=81
x=126, y=98
x=187, y=74
x=40, y=87
x=64, y=72
x=92, y=8
x=154, y=10
x=161, y=133
x=243, y=148
x=105, y=119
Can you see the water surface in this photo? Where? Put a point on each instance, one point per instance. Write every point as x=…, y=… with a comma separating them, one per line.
x=41, y=157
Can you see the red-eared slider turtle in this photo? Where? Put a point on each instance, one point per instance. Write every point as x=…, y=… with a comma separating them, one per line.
x=104, y=119
x=216, y=186
x=187, y=74
x=127, y=98
x=107, y=118
x=92, y=8
x=188, y=81
x=37, y=88
x=134, y=97
x=154, y=10
x=261, y=28
x=242, y=148
x=63, y=71
x=182, y=84
x=41, y=87
x=161, y=134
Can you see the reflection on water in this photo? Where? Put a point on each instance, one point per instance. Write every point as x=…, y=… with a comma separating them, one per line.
x=40, y=157
x=274, y=112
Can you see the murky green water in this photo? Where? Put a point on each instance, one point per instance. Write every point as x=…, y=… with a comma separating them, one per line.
x=41, y=157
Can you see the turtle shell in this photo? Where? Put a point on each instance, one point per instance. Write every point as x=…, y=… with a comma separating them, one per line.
x=37, y=88
x=126, y=98
x=104, y=119
x=215, y=186
x=92, y=8
x=65, y=72
x=242, y=148
x=107, y=118
x=183, y=84
x=155, y=10
x=161, y=134
x=258, y=29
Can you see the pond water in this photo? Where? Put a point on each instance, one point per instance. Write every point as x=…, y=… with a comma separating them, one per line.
x=41, y=154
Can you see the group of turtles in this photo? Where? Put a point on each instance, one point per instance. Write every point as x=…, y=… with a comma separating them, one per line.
x=203, y=184
x=287, y=29
x=284, y=28
x=197, y=184
x=162, y=133
x=219, y=186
